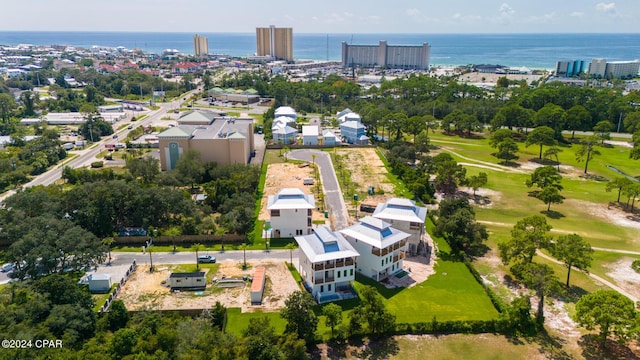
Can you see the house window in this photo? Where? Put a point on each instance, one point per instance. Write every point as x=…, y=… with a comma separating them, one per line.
x=329, y=287
x=338, y=274
x=275, y=213
x=345, y=273
x=321, y=288
x=309, y=213
x=351, y=272
x=178, y=281
x=198, y=280
x=382, y=262
x=309, y=222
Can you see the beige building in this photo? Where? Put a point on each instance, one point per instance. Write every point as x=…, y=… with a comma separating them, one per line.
x=200, y=45
x=275, y=42
x=223, y=140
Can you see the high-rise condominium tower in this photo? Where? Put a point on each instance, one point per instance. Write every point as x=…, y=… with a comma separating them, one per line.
x=275, y=42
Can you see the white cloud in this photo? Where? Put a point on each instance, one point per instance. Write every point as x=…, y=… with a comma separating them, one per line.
x=606, y=7
x=506, y=10
x=542, y=18
x=373, y=19
x=577, y=14
x=413, y=12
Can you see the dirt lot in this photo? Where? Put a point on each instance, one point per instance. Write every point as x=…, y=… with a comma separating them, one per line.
x=145, y=290
x=366, y=170
x=286, y=175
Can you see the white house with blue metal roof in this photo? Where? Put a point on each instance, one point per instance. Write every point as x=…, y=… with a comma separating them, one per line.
x=381, y=247
x=290, y=212
x=406, y=216
x=327, y=264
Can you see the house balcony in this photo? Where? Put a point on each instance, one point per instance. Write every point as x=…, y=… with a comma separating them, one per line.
x=375, y=251
x=329, y=265
x=317, y=267
x=396, y=258
x=340, y=263
x=401, y=255
x=348, y=262
x=329, y=279
x=318, y=281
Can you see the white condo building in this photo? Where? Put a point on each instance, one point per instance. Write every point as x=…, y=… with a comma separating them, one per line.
x=405, y=215
x=381, y=247
x=290, y=212
x=327, y=264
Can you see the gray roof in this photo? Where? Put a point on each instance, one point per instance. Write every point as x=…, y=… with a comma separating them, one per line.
x=325, y=245
x=197, y=116
x=291, y=198
x=374, y=232
x=187, y=274
x=401, y=209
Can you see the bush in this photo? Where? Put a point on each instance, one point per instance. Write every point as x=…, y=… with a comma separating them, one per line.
x=97, y=164
x=635, y=265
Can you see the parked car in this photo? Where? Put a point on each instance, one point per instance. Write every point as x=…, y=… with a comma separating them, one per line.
x=8, y=267
x=206, y=259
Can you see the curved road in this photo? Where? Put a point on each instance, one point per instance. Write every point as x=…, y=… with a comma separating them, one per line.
x=333, y=194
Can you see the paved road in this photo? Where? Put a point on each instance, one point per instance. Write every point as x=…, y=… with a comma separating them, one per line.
x=124, y=259
x=333, y=195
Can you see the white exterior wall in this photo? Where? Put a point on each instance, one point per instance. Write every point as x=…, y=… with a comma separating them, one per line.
x=289, y=221
x=405, y=226
x=327, y=279
x=371, y=265
x=310, y=140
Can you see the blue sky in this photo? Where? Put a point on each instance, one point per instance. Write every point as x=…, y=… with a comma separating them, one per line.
x=325, y=16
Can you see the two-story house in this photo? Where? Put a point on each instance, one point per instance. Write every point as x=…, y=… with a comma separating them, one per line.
x=405, y=215
x=381, y=247
x=290, y=212
x=327, y=264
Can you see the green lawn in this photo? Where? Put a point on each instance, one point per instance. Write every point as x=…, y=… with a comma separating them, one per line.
x=237, y=321
x=450, y=294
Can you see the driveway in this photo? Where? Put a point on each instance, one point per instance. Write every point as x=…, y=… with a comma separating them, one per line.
x=333, y=195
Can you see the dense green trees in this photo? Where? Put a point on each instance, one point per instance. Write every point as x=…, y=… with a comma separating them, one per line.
x=456, y=223
x=573, y=251
x=528, y=235
x=371, y=312
x=541, y=135
x=609, y=312
x=301, y=319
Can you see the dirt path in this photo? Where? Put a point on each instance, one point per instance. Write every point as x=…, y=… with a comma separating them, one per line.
x=596, y=277
x=486, y=164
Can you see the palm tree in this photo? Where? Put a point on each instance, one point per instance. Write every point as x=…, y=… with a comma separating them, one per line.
x=197, y=247
x=108, y=241
x=244, y=255
x=291, y=246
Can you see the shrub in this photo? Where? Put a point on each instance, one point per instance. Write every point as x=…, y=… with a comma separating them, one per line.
x=635, y=265
x=97, y=164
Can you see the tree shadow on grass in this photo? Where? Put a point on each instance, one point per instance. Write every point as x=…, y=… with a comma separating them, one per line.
x=552, y=346
x=511, y=164
x=592, y=349
x=381, y=348
x=552, y=214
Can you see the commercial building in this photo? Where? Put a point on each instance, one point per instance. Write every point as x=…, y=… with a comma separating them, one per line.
x=224, y=140
x=569, y=68
x=200, y=45
x=290, y=212
x=326, y=264
x=275, y=42
x=389, y=56
x=601, y=68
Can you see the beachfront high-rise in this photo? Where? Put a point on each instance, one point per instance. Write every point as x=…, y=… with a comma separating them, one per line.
x=601, y=68
x=200, y=45
x=570, y=68
x=390, y=56
x=275, y=42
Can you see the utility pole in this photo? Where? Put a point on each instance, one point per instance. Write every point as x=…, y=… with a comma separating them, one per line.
x=619, y=122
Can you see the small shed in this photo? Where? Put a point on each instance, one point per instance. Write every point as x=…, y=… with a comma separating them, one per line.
x=99, y=283
x=257, y=285
x=188, y=281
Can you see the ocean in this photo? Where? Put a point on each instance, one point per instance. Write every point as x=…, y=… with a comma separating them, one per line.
x=540, y=51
